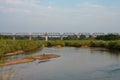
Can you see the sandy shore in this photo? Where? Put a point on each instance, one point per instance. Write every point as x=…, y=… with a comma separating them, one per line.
x=45, y=56
x=17, y=62
x=30, y=59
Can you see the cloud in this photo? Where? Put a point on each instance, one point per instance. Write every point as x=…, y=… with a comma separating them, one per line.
x=92, y=9
x=49, y=7
x=89, y=5
x=47, y=16
x=35, y=7
x=20, y=2
x=18, y=6
x=14, y=10
x=14, y=2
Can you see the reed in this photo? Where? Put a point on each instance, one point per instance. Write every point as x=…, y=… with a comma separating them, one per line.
x=55, y=43
x=27, y=45
x=11, y=46
x=76, y=43
x=114, y=45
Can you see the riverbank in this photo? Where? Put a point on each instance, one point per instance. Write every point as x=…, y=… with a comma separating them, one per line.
x=10, y=47
x=20, y=46
x=14, y=53
x=112, y=44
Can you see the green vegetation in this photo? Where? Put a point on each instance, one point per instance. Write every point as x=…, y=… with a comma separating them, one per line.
x=98, y=43
x=70, y=37
x=108, y=37
x=114, y=45
x=82, y=37
x=11, y=46
x=55, y=43
x=5, y=37
x=76, y=43
x=7, y=46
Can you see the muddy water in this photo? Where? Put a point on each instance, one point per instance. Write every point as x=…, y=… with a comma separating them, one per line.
x=74, y=64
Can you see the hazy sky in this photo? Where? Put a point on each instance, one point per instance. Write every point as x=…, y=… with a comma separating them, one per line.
x=60, y=16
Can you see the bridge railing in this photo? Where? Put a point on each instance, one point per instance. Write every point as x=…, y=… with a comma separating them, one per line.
x=6, y=34
x=22, y=34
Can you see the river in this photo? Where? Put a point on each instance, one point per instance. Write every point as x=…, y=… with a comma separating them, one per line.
x=74, y=64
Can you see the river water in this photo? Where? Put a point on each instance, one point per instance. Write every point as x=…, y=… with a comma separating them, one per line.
x=74, y=64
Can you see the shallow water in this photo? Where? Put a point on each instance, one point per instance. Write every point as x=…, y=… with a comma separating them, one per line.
x=74, y=64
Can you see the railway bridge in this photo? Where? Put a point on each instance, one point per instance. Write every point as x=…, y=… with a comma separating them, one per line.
x=46, y=35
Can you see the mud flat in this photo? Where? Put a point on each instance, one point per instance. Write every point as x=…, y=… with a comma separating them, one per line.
x=30, y=59
x=45, y=56
x=17, y=62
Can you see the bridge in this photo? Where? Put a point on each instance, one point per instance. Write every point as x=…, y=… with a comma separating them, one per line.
x=46, y=35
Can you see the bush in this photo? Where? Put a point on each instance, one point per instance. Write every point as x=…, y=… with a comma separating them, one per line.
x=55, y=43
x=98, y=43
x=108, y=37
x=114, y=45
x=76, y=43
x=10, y=45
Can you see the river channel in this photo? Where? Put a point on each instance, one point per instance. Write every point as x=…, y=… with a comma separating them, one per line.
x=73, y=64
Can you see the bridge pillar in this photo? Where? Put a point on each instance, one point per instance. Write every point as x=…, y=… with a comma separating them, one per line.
x=78, y=36
x=61, y=37
x=30, y=37
x=46, y=37
x=14, y=38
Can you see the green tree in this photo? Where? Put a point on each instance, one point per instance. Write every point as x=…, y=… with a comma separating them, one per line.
x=108, y=37
x=82, y=37
x=72, y=37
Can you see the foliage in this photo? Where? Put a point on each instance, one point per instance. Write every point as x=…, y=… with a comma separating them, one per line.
x=108, y=37
x=76, y=43
x=98, y=43
x=55, y=43
x=27, y=45
x=5, y=37
x=82, y=37
x=10, y=45
x=70, y=37
x=114, y=45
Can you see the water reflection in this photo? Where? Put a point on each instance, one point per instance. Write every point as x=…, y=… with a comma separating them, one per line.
x=6, y=74
x=104, y=50
x=113, y=54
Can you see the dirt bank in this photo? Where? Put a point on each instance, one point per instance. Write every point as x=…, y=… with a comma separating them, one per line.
x=85, y=46
x=14, y=53
x=58, y=46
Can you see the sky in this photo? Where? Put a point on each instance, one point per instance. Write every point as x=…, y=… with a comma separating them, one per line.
x=60, y=16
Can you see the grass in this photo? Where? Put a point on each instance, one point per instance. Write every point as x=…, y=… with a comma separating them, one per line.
x=55, y=43
x=114, y=45
x=27, y=45
x=76, y=43
x=98, y=43
x=11, y=46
